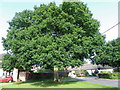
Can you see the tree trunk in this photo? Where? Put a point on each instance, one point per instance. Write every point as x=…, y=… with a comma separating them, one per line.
x=56, y=75
x=118, y=69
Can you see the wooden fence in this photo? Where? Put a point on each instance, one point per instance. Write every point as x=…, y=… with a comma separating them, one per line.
x=45, y=75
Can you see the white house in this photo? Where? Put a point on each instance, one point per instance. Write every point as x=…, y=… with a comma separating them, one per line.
x=90, y=68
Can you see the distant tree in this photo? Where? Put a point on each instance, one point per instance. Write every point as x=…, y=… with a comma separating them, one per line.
x=8, y=62
x=109, y=54
x=53, y=36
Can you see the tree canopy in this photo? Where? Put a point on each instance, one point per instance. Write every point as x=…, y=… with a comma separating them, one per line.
x=109, y=54
x=52, y=35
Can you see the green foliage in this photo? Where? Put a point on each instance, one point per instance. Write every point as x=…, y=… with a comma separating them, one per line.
x=86, y=73
x=52, y=36
x=44, y=70
x=109, y=54
x=109, y=75
x=93, y=74
x=8, y=62
x=78, y=75
x=82, y=73
x=106, y=71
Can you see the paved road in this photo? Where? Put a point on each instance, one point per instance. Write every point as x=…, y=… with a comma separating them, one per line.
x=108, y=82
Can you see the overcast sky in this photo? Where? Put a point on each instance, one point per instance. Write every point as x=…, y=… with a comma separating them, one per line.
x=105, y=11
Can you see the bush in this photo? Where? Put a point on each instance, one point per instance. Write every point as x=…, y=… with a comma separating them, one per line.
x=93, y=74
x=86, y=73
x=115, y=76
x=109, y=75
x=104, y=75
x=83, y=73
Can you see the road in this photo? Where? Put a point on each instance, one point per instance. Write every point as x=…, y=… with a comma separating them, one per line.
x=108, y=82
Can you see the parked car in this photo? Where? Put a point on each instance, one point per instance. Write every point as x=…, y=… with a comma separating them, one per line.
x=6, y=78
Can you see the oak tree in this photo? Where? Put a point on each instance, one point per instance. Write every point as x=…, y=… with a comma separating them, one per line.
x=53, y=36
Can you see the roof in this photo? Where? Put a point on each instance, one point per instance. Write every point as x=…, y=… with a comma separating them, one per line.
x=91, y=67
x=88, y=67
x=94, y=66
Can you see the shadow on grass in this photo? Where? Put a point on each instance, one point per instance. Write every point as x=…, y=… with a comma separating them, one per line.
x=46, y=83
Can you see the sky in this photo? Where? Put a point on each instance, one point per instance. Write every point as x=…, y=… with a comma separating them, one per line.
x=105, y=11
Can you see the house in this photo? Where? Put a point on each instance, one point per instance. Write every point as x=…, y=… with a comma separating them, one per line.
x=90, y=68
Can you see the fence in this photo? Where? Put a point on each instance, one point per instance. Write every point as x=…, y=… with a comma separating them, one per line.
x=45, y=75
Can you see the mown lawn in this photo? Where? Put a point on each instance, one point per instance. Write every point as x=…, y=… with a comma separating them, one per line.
x=51, y=84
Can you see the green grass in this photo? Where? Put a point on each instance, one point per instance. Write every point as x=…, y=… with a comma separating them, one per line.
x=51, y=84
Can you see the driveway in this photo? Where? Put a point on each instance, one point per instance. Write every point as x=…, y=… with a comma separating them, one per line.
x=108, y=82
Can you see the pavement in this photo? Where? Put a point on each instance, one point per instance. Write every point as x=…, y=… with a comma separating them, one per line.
x=107, y=82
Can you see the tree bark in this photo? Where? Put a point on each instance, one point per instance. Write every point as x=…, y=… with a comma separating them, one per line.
x=56, y=75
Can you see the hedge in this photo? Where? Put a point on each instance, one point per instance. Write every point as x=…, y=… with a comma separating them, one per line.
x=109, y=75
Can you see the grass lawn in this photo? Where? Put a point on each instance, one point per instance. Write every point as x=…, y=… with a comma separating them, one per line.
x=51, y=84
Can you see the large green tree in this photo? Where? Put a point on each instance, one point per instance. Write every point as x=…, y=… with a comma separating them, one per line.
x=109, y=54
x=52, y=36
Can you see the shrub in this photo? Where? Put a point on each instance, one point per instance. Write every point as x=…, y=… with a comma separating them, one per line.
x=83, y=73
x=86, y=73
x=93, y=74
x=109, y=75
x=78, y=75
x=115, y=76
x=104, y=75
